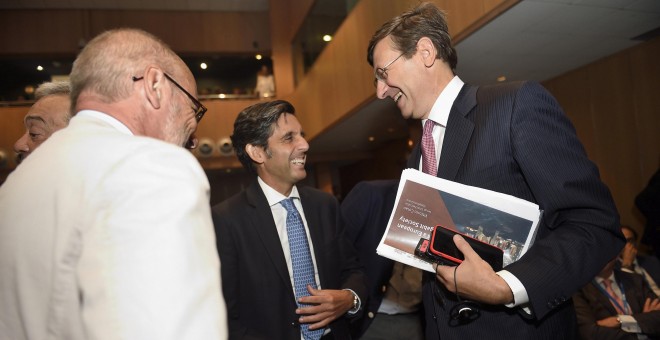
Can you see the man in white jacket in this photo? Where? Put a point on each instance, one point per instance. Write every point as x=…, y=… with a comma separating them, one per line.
x=105, y=230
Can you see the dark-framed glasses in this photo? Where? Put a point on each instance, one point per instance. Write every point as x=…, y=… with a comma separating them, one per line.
x=199, y=108
x=381, y=72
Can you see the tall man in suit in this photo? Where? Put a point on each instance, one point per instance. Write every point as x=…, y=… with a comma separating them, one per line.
x=617, y=305
x=510, y=138
x=106, y=230
x=393, y=309
x=265, y=243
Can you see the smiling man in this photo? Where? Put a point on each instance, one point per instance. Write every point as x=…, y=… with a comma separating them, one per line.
x=50, y=112
x=512, y=138
x=288, y=271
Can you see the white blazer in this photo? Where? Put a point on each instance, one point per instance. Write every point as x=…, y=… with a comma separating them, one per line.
x=107, y=235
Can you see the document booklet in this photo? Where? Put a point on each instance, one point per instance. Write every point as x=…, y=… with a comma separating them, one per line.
x=424, y=202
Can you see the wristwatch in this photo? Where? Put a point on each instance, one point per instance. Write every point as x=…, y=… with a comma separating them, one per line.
x=356, y=303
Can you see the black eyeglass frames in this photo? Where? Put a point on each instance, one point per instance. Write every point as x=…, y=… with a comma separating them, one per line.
x=199, y=108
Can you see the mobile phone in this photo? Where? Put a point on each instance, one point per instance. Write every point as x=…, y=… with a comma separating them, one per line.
x=442, y=246
x=422, y=251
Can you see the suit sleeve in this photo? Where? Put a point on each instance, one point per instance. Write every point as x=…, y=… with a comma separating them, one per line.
x=579, y=231
x=149, y=266
x=354, y=211
x=649, y=322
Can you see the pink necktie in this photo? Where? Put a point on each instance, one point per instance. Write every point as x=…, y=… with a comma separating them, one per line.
x=429, y=164
x=618, y=305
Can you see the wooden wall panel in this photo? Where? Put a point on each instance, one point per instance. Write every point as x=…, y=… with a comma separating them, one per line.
x=615, y=107
x=645, y=71
x=286, y=17
x=41, y=31
x=48, y=32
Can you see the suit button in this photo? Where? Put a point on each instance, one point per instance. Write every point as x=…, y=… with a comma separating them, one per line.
x=370, y=315
x=384, y=288
x=435, y=317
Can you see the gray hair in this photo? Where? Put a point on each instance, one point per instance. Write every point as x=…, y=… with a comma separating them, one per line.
x=52, y=88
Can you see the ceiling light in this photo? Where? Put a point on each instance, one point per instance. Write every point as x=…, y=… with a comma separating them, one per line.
x=258, y=56
x=372, y=138
x=40, y=68
x=203, y=66
x=501, y=78
x=327, y=37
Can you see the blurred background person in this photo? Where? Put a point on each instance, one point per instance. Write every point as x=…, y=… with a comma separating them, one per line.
x=265, y=83
x=106, y=230
x=617, y=305
x=50, y=112
x=633, y=262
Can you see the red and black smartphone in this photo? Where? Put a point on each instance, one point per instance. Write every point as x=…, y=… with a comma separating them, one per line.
x=441, y=249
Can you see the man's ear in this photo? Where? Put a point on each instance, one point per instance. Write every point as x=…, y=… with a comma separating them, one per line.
x=256, y=153
x=153, y=83
x=427, y=51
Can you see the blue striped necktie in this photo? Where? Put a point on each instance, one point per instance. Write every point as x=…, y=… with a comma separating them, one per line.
x=301, y=261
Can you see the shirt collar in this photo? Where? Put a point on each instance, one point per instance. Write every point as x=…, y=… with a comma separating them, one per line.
x=442, y=106
x=114, y=122
x=273, y=196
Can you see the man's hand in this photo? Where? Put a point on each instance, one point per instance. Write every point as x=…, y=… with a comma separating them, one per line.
x=651, y=305
x=476, y=279
x=610, y=321
x=326, y=305
x=628, y=255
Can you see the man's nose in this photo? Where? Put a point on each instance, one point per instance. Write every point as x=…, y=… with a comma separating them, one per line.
x=21, y=144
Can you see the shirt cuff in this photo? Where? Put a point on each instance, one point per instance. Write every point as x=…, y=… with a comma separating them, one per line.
x=357, y=303
x=629, y=324
x=520, y=296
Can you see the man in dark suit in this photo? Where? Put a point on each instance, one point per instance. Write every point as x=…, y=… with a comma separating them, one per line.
x=393, y=308
x=511, y=138
x=629, y=308
x=260, y=248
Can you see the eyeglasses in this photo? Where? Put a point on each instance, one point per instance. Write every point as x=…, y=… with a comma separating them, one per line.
x=381, y=72
x=200, y=109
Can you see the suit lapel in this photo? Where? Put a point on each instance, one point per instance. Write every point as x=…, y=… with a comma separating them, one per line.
x=457, y=134
x=264, y=226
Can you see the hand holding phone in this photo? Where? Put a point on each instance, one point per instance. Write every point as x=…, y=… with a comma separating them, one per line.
x=442, y=249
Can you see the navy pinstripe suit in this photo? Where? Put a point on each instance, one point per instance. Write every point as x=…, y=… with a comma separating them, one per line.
x=515, y=139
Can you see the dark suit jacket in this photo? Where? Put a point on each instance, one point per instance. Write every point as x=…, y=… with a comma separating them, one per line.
x=592, y=305
x=255, y=278
x=514, y=138
x=365, y=212
x=651, y=264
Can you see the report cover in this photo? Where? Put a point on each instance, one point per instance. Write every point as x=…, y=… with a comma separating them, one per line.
x=424, y=201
